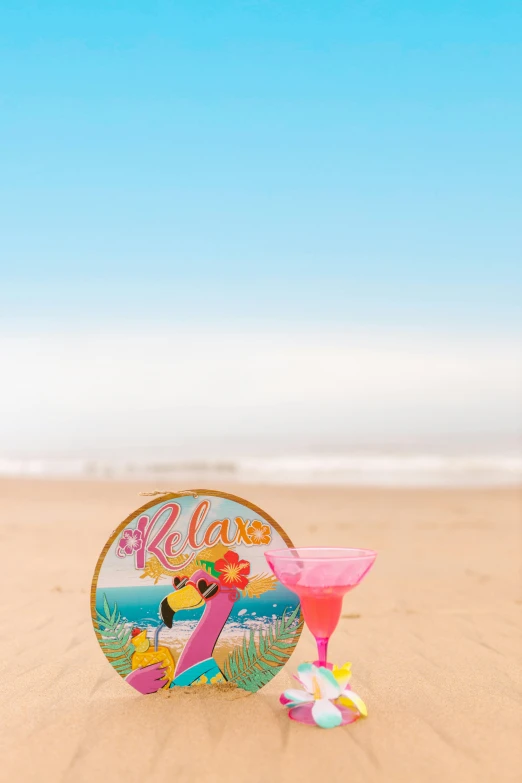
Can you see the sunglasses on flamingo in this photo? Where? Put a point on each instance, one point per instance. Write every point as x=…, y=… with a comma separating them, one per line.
x=206, y=590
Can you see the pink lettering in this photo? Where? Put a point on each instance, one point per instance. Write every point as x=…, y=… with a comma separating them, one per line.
x=146, y=530
x=165, y=544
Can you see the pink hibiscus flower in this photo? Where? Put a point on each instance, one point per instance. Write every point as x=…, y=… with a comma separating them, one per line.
x=130, y=542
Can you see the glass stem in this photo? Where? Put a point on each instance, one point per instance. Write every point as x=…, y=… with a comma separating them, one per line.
x=322, y=650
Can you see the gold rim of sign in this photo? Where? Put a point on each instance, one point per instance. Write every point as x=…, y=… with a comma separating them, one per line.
x=170, y=496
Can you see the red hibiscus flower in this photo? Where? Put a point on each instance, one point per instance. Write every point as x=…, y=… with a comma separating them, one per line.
x=232, y=571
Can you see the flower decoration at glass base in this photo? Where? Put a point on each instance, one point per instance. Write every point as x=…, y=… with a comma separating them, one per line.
x=327, y=695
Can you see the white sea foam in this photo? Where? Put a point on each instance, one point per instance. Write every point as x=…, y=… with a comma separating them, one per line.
x=386, y=468
x=182, y=629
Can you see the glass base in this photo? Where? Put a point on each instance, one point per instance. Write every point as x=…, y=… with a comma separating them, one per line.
x=303, y=714
x=324, y=665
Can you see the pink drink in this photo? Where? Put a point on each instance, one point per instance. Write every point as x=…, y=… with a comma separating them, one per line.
x=321, y=612
x=321, y=576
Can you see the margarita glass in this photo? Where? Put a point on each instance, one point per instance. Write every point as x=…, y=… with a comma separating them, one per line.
x=321, y=576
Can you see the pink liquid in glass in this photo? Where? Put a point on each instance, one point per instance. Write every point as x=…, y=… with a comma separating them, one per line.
x=321, y=612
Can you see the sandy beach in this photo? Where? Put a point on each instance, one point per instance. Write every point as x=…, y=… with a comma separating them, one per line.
x=434, y=636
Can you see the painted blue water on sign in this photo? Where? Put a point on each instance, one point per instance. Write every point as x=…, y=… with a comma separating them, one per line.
x=140, y=605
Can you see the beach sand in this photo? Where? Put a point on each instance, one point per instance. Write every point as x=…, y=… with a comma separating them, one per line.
x=434, y=636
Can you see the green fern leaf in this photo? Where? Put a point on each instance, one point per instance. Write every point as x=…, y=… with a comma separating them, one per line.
x=114, y=637
x=251, y=667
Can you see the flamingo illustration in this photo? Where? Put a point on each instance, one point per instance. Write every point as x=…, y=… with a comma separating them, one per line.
x=201, y=589
x=214, y=587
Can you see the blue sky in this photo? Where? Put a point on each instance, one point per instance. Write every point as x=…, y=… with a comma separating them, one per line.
x=247, y=225
x=288, y=161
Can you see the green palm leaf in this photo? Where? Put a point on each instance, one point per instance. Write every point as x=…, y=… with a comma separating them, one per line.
x=251, y=666
x=114, y=637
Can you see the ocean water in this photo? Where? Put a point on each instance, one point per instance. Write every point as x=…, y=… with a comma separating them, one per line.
x=140, y=607
x=350, y=468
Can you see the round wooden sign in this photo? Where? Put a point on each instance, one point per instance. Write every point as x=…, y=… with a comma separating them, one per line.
x=182, y=595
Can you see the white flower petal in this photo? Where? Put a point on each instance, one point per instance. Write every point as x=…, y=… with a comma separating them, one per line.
x=305, y=675
x=329, y=688
x=301, y=697
x=326, y=714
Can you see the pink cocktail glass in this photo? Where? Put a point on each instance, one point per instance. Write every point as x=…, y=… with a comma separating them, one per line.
x=321, y=576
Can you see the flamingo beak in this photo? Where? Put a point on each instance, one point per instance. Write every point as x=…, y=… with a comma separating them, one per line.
x=166, y=613
x=186, y=598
